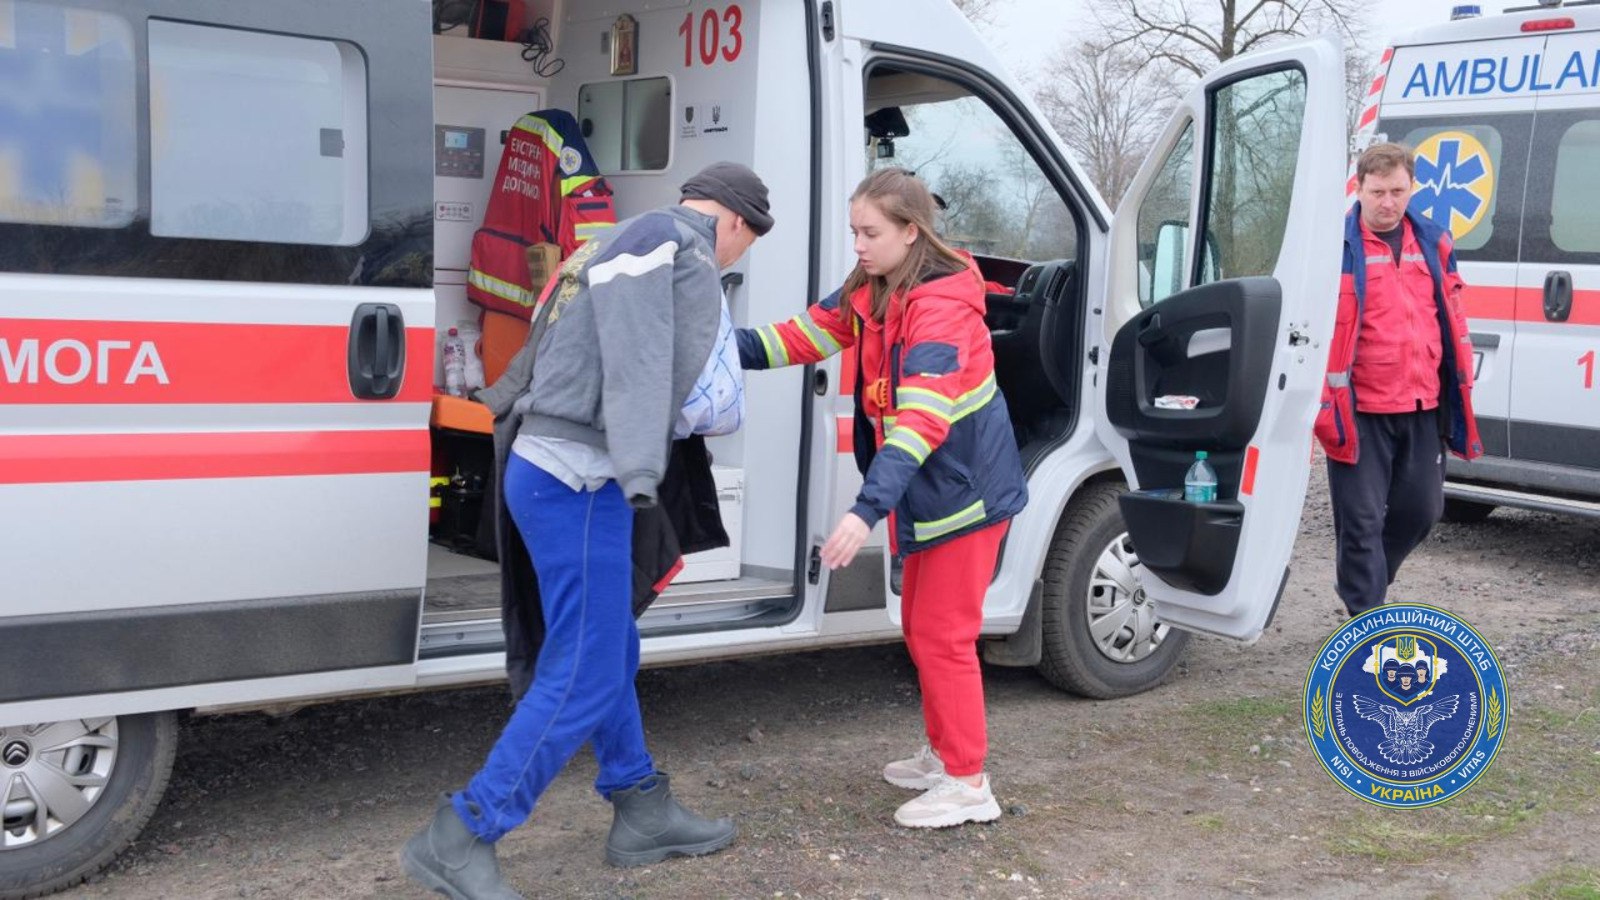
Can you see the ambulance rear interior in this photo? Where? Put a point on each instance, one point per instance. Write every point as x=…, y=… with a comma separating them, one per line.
x=1504, y=113
x=694, y=101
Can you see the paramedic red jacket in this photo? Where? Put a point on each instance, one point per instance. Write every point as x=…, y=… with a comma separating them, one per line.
x=548, y=190
x=946, y=459
x=1376, y=334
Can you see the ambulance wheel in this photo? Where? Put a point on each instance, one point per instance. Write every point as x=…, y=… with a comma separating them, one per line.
x=1466, y=512
x=75, y=793
x=1101, y=636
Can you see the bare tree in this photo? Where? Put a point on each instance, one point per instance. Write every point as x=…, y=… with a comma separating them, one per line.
x=1109, y=106
x=1196, y=35
x=979, y=12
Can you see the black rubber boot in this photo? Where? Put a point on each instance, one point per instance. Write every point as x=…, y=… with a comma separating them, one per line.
x=448, y=859
x=649, y=825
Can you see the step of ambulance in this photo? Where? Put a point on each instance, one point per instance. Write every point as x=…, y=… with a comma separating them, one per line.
x=1473, y=493
x=462, y=613
x=690, y=605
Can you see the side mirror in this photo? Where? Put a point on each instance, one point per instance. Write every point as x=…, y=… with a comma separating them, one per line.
x=1167, y=270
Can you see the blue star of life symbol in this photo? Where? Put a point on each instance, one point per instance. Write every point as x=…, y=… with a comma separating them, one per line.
x=50, y=101
x=1448, y=184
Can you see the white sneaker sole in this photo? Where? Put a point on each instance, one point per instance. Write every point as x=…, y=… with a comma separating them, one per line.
x=912, y=782
x=988, y=812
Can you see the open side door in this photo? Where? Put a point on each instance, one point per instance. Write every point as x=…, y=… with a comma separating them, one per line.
x=1222, y=281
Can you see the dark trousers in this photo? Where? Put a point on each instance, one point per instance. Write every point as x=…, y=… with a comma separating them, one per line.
x=1385, y=504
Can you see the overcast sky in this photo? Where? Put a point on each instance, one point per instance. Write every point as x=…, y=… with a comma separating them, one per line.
x=1027, y=31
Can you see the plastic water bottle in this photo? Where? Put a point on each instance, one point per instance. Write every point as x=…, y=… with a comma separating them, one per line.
x=1200, y=483
x=474, y=366
x=455, y=365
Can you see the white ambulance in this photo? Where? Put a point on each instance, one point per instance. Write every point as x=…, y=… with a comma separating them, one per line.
x=1504, y=113
x=231, y=235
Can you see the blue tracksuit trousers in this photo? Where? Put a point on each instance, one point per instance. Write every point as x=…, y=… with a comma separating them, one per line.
x=581, y=544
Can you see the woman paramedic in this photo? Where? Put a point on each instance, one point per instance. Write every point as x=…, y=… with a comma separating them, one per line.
x=942, y=465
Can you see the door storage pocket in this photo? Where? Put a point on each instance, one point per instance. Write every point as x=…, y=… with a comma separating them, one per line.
x=1188, y=545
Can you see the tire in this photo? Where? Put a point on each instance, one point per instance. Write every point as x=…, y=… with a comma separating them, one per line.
x=1466, y=512
x=1140, y=652
x=125, y=761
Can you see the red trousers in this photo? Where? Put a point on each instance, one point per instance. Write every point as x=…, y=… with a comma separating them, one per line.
x=941, y=611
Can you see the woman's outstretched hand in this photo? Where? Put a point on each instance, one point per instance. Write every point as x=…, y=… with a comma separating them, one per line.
x=847, y=538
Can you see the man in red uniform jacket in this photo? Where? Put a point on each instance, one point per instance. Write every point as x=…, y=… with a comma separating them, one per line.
x=1399, y=386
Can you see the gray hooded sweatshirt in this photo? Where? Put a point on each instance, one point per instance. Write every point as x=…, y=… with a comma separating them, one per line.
x=634, y=316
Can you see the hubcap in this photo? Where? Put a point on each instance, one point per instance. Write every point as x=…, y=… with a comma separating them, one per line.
x=51, y=775
x=1122, y=620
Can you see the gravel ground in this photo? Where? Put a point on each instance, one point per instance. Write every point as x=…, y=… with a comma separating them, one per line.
x=1204, y=786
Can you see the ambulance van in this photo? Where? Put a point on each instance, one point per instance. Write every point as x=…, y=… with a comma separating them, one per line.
x=232, y=234
x=1504, y=114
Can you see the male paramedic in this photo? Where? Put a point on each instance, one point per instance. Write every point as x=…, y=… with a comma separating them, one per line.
x=1399, y=385
x=632, y=321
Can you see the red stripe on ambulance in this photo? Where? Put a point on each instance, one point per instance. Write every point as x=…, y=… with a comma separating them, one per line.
x=846, y=439
x=1511, y=304
x=66, y=361
x=63, y=458
x=1490, y=302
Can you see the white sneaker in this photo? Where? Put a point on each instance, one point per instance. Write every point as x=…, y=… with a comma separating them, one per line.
x=919, y=773
x=950, y=802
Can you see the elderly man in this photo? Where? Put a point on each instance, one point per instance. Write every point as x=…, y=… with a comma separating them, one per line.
x=616, y=348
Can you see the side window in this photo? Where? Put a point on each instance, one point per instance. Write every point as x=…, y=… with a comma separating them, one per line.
x=294, y=170
x=628, y=124
x=68, y=151
x=1255, y=144
x=1459, y=171
x=233, y=147
x=1163, y=224
x=1575, y=203
x=997, y=200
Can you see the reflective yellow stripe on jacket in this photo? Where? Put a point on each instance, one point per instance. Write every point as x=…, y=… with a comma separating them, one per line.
x=823, y=341
x=777, y=353
x=505, y=290
x=937, y=404
x=912, y=443
x=927, y=531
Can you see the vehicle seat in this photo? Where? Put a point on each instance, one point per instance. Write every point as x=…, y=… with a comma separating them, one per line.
x=1031, y=359
x=1020, y=353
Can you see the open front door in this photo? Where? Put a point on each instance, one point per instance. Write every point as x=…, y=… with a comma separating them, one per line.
x=1221, y=290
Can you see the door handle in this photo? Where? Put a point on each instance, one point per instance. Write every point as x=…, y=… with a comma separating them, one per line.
x=380, y=352
x=1161, y=346
x=377, y=351
x=1557, y=296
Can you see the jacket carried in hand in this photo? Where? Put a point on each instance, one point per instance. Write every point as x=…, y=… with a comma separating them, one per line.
x=945, y=457
x=1335, y=425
